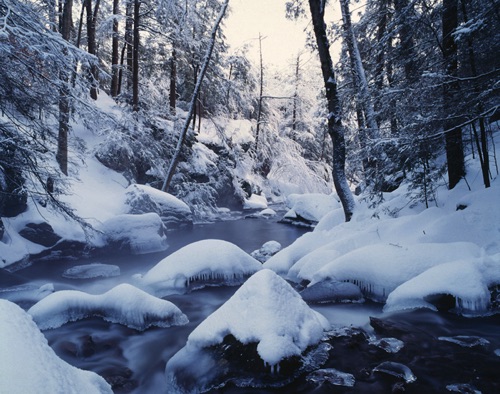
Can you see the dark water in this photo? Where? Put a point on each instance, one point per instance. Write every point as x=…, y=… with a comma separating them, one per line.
x=135, y=361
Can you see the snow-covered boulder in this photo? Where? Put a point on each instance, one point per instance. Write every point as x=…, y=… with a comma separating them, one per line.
x=210, y=262
x=468, y=281
x=26, y=293
x=255, y=201
x=139, y=234
x=263, y=327
x=29, y=365
x=332, y=291
x=124, y=304
x=266, y=251
x=378, y=269
x=143, y=199
x=308, y=209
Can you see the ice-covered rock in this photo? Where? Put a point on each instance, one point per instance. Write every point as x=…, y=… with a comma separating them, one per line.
x=468, y=281
x=145, y=199
x=29, y=365
x=463, y=388
x=139, y=234
x=263, y=325
x=94, y=270
x=332, y=291
x=266, y=251
x=26, y=293
x=390, y=345
x=396, y=369
x=466, y=340
x=124, y=304
x=309, y=208
x=332, y=376
x=378, y=269
x=210, y=262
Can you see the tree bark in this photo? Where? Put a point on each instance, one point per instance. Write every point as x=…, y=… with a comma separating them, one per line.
x=135, y=64
x=194, y=98
x=335, y=128
x=91, y=44
x=115, y=57
x=261, y=89
x=453, y=133
x=172, y=97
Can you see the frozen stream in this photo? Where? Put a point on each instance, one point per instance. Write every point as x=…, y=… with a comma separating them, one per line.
x=135, y=361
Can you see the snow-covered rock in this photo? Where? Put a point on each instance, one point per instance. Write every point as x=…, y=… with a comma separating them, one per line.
x=40, y=233
x=255, y=201
x=210, y=262
x=26, y=293
x=262, y=326
x=143, y=199
x=139, y=234
x=468, y=281
x=29, y=365
x=332, y=291
x=309, y=208
x=266, y=251
x=124, y=304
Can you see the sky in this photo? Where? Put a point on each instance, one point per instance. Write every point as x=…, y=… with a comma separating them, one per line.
x=283, y=38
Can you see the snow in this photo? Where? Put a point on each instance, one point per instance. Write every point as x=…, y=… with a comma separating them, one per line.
x=311, y=207
x=266, y=251
x=29, y=365
x=210, y=261
x=142, y=233
x=255, y=201
x=264, y=310
x=123, y=304
x=26, y=293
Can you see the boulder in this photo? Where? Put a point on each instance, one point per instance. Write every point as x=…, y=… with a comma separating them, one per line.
x=2, y=229
x=40, y=233
x=173, y=212
x=332, y=291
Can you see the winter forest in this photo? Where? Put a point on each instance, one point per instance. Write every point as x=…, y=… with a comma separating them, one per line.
x=180, y=215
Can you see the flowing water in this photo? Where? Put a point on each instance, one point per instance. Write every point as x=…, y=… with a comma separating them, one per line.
x=135, y=361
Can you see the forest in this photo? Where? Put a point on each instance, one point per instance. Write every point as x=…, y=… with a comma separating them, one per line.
x=128, y=126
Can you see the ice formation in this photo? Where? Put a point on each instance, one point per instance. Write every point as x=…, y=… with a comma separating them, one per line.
x=142, y=233
x=332, y=376
x=202, y=263
x=396, y=369
x=94, y=270
x=124, y=304
x=29, y=365
x=265, y=310
x=390, y=345
x=378, y=269
x=466, y=340
x=468, y=281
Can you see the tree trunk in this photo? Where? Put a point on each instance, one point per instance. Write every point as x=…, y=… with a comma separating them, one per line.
x=64, y=94
x=192, y=104
x=115, y=70
x=259, y=109
x=91, y=44
x=335, y=129
x=129, y=40
x=135, y=64
x=173, y=82
x=453, y=133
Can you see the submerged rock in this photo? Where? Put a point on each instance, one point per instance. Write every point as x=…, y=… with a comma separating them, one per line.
x=94, y=270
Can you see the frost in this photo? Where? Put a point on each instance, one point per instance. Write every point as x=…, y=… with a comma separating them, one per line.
x=207, y=262
x=94, y=270
x=29, y=365
x=124, y=304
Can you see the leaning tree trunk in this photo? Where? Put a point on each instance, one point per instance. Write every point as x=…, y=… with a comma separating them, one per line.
x=335, y=129
x=453, y=133
x=194, y=98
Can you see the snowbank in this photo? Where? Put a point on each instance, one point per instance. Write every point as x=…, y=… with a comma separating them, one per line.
x=124, y=304
x=202, y=263
x=29, y=365
x=264, y=310
x=310, y=207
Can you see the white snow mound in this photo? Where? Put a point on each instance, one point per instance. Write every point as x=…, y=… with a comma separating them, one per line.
x=208, y=260
x=29, y=365
x=312, y=206
x=264, y=310
x=124, y=304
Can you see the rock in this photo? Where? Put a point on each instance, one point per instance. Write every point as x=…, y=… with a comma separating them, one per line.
x=40, y=233
x=2, y=229
x=266, y=251
x=90, y=271
x=145, y=199
x=332, y=291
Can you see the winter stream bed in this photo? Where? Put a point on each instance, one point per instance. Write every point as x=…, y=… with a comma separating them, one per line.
x=414, y=352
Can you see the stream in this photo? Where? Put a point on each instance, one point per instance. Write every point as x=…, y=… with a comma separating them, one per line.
x=134, y=362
